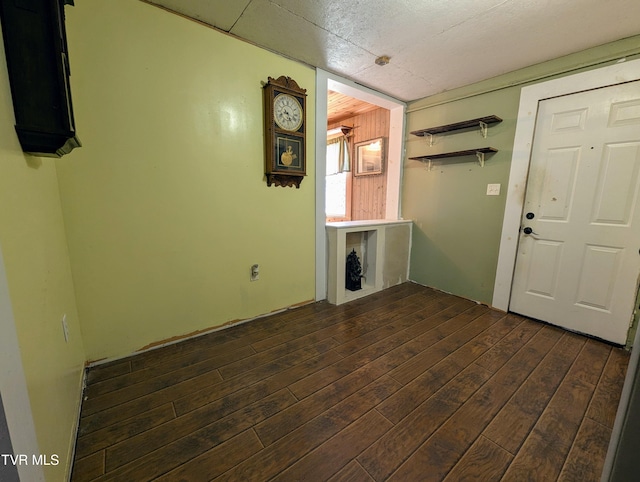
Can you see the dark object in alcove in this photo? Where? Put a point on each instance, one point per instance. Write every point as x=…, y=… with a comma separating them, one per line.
x=35, y=45
x=353, y=272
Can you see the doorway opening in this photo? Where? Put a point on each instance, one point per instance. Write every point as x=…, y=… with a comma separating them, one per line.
x=350, y=195
x=394, y=142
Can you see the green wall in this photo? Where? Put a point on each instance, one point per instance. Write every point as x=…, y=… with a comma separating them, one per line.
x=34, y=248
x=457, y=226
x=165, y=205
x=456, y=237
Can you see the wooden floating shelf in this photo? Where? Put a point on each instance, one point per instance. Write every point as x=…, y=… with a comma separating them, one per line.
x=479, y=153
x=488, y=120
x=444, y=155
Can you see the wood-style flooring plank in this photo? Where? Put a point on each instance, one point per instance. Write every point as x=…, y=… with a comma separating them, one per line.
x=242, y=334
x=499, y=354
x=222, y=356
x=94, y=404
x=265, y=358
x=316, y=326
x=88, y=468
x=279, y=455
x=546, y=448
x=108, y=436
x=484, y=461
x=281, y=424
x=604, y=404
x=352, y=472
x=105, y=371
x=333, y=455
x=322, y=378
x=129, y=461
x=586, y=458
x=591, y=362
x=386, y=454
x=368, y=333
x=449, y=322
x=207, y=388
x=119, y=413
x=407, y=343
x=217, y=460
x=514, y=422
x=282, y=372
x=457, y=434
x=362, y=323
x=256, y=331
x=457, y=353
x=406, y=384
x=253, y=397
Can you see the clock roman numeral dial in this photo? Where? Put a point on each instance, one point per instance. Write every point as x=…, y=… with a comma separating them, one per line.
x=287, y=112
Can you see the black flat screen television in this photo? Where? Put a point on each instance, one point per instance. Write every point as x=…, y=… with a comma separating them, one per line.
x=35, y=45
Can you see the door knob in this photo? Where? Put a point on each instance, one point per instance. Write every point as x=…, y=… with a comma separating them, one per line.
x=528, y=230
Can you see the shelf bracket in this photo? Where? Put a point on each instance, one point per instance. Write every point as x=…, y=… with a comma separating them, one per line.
x=484, y=127
x=430, y=139
x=427, y=161
x=480, y=156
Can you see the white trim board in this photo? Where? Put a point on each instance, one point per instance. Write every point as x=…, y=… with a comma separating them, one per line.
x=530, y=96
x=13, y=387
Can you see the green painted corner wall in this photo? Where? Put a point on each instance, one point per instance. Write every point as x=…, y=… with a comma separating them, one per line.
x=38, y=273
x=457, y=226
x=456, y=237
x=165, y=205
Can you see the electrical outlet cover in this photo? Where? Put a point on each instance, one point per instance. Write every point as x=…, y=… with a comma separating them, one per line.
x=255, y=272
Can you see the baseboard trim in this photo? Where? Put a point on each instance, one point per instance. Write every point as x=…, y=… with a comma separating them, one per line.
x=189, y=336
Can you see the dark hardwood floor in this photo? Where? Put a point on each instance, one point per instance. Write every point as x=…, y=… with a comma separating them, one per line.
x=409, y=384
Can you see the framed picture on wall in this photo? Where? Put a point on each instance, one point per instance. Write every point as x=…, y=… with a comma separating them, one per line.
x=370, y=157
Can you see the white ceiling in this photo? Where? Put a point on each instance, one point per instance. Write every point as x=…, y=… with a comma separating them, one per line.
x=434, y=45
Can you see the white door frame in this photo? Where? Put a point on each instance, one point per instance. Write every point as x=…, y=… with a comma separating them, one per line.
x=327, y=81
x=13, y=387
x=530, y=96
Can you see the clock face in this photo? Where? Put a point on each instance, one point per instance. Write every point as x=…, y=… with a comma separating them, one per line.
x=287, y=112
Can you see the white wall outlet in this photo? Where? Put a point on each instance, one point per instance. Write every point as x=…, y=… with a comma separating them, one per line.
x=255, y=272
x=493, y=189
x=65, y=328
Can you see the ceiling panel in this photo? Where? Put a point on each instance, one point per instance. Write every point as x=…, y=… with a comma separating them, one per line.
x=341, y=107
x=434, y=45
x=221, y=14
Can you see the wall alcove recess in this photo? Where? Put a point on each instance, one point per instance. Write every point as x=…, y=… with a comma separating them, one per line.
x=482, y=123
x=383, y=246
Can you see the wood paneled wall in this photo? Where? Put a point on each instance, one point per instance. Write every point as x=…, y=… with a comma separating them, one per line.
x=368, y=194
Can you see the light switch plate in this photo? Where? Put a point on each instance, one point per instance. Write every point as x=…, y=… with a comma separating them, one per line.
x=493, y=189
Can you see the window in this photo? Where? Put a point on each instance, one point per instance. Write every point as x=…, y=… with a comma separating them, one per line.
x=338, y=179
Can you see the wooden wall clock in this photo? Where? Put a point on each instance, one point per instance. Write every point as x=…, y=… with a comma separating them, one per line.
x=285, y=127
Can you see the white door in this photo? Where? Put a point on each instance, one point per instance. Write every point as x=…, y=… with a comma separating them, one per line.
x=578, y=257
